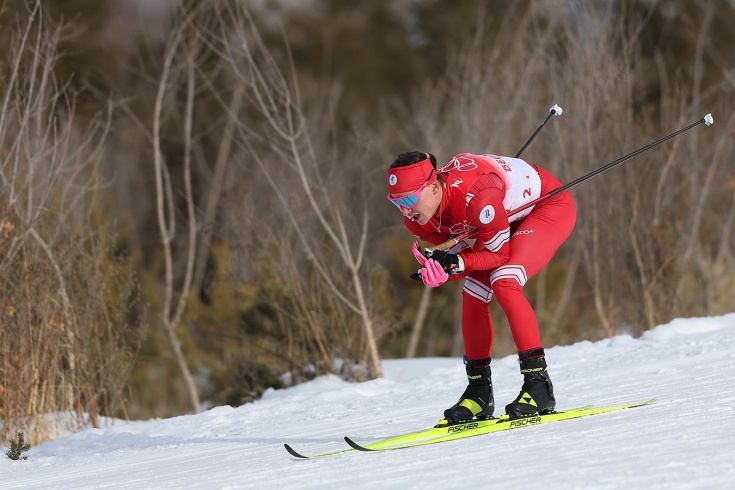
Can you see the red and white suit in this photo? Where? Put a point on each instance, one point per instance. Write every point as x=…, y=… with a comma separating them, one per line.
x=479, y=192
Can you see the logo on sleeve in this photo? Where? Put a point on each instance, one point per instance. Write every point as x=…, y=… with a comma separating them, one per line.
x=487, y=214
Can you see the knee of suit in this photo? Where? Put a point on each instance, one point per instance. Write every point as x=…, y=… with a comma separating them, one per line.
x=506, y=289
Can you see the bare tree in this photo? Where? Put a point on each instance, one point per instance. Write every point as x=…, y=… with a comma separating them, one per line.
x=170, y=314
x=286, y=137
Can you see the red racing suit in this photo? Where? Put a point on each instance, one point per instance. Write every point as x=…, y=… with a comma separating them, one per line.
x=479, y=193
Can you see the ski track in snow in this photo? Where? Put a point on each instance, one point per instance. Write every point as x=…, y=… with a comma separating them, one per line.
x=683, y=441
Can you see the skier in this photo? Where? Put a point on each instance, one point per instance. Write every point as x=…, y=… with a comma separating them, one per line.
x=478, y=193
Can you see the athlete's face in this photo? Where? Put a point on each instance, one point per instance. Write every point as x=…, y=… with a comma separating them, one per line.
x=429, y=199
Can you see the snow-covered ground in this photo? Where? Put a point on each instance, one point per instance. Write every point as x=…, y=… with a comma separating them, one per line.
x=684, y=440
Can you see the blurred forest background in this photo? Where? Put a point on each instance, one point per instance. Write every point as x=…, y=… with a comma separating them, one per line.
x=192, y=194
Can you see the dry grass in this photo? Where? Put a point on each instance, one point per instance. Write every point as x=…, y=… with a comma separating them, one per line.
x=63, y=296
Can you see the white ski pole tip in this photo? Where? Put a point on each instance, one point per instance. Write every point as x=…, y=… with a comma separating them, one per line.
x=555, y=108
x=708, y=120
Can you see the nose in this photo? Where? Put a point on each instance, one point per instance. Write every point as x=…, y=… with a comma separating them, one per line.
x=405, y=211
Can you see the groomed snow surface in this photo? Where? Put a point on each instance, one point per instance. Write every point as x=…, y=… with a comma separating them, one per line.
x=685, y=440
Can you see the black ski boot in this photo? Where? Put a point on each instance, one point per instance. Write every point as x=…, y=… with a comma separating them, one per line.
x=477, y=399
x=537, y=393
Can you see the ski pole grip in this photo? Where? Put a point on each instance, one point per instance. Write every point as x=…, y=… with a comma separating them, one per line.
x=442, y=246
x=449, y=243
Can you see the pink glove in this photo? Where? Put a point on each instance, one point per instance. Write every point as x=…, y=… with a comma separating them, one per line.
x=420, y=257
x=433, y=274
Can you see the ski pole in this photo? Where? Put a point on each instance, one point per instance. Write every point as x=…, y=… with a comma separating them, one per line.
x=554, y=110
x=706, y=120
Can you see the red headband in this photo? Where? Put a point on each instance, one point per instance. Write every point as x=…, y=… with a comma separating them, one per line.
x=410, y=177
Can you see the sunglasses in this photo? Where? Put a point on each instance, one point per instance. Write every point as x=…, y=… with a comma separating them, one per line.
x=410, y=201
